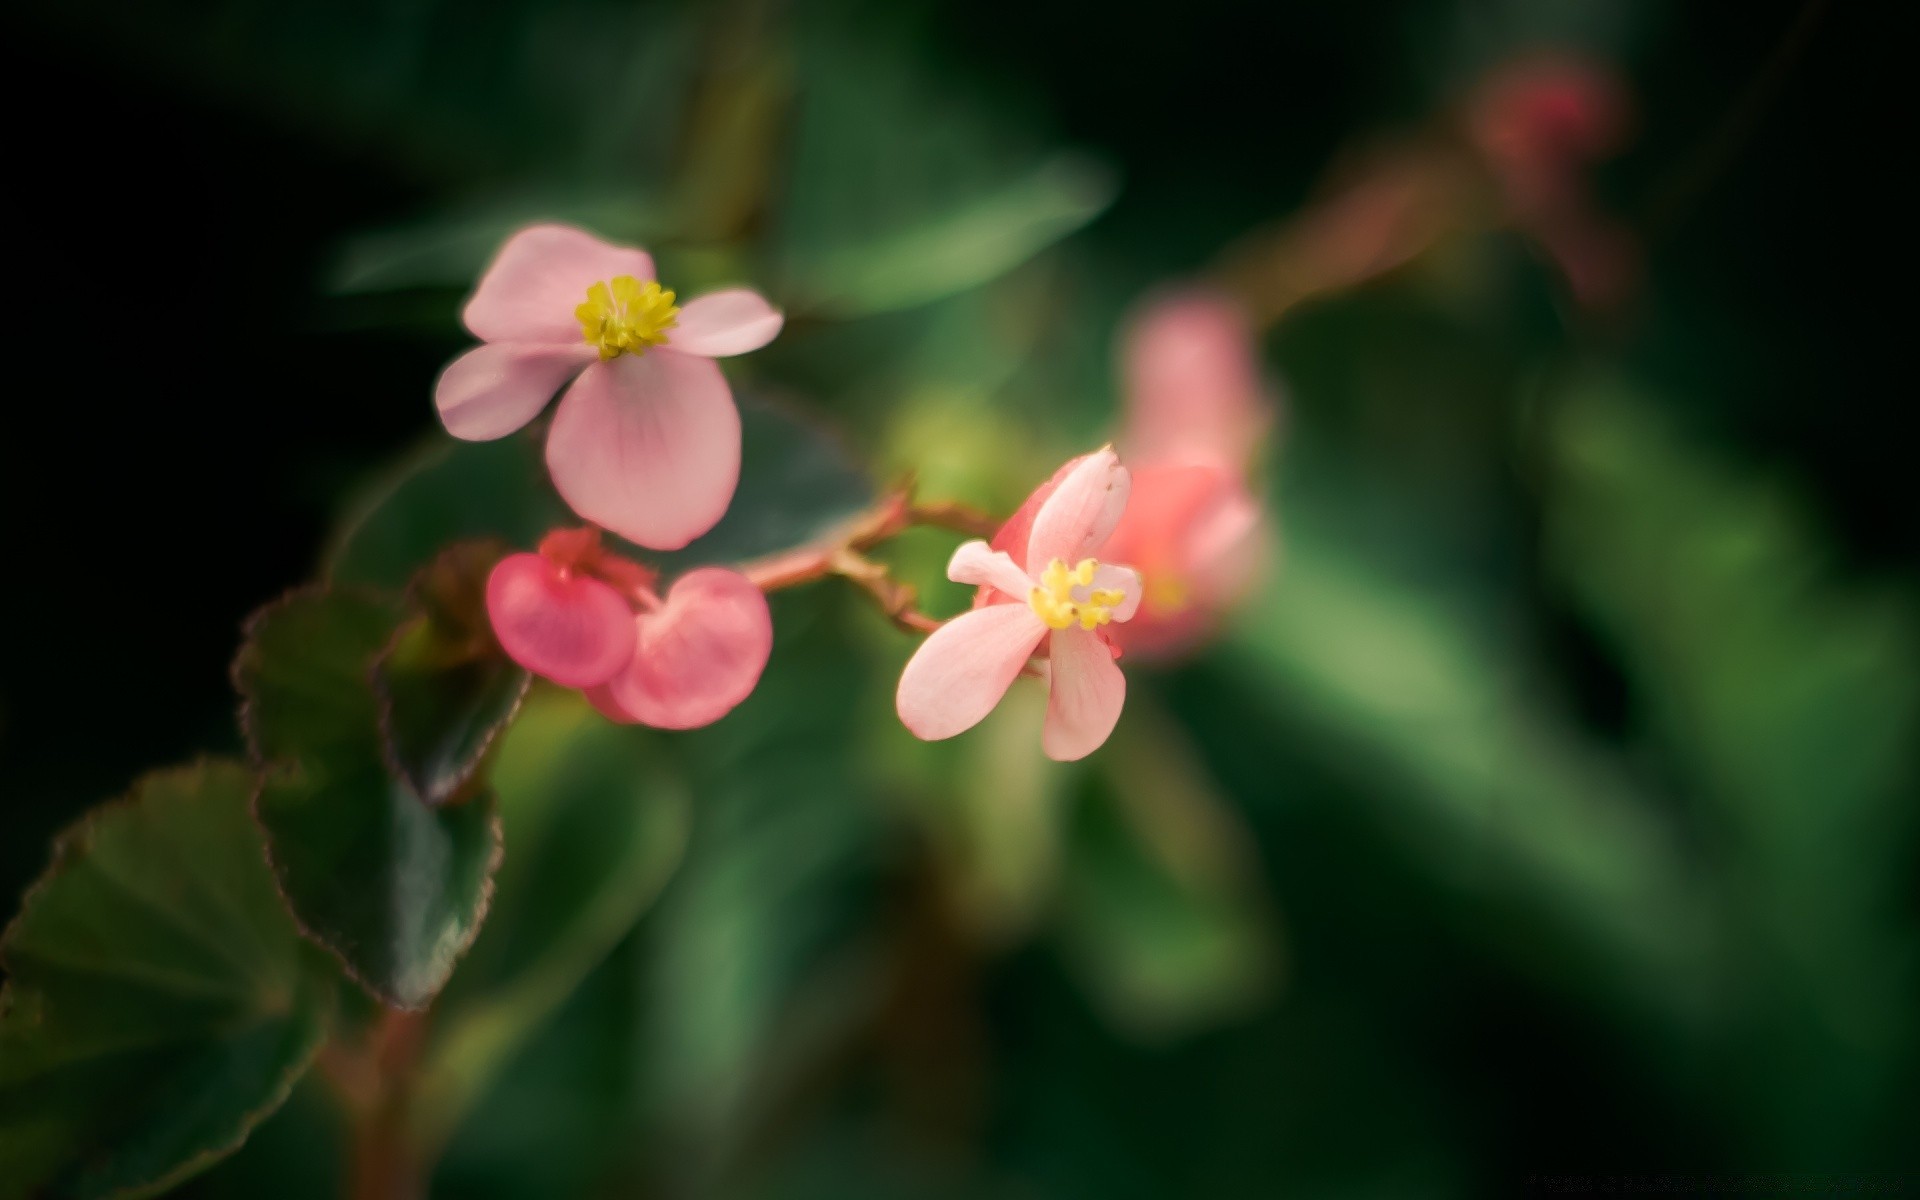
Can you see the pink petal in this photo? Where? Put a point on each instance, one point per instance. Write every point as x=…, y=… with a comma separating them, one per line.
x=1194, y=392
x=975, y=562
x=648, y=446
x=495, y=388
x=696, y=656
x=574, y=630
x=1084, y=701
x=1195, y=528
x=1224, y=547
x=962, y=670
x=539, y=277
x=1076, y=520
x=1125, y=580
x=730, y=322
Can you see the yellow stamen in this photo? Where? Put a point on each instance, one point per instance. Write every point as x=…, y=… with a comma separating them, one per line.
x=1054, y=601
x=626, y=316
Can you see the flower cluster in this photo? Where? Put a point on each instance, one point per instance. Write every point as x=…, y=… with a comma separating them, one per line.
x=1100, y=560
x=587, y=618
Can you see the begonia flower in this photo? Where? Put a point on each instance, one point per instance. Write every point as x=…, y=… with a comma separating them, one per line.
x=1540, y=123
x=586, y=618
x=1055, y=598
x=1196, y=414
x=646, y=440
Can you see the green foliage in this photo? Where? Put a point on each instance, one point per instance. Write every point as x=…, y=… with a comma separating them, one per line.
x=597, y=815
x=445, y=688
x=159, y=1003
x=1786, y=701
x=396, y=889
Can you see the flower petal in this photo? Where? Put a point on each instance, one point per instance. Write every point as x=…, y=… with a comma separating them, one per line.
x=573, y=630
x=733, y=321
x=1125, y=580
x=648, y=446
x=540, y=276
x=1193, y=383
x=1084, y=700
x=494, y=389
x=1076, y=520
x=976, y=562
x=696, y=656
x=962, y=670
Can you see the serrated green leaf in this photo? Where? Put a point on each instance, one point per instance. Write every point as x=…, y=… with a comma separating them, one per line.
x=394, y=888
x=160, y=1002
x=446, y=690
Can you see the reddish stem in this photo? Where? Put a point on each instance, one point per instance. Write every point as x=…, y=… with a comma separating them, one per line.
x=842, y=554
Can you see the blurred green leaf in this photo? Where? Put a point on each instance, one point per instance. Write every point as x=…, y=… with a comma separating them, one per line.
x=446, y=690
x=449, y=492
x=598, y=815
x=451, y=250
x=797, y=482
x=1160, y=902
x=761, y=956
x=904, y=188
x=1395, y=684
x=953, y=251
x=159, y=1001
x=1788, y=700
x=394, y=888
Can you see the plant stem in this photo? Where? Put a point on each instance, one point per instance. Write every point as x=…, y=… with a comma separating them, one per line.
x=374, y=1083
x=842, y=553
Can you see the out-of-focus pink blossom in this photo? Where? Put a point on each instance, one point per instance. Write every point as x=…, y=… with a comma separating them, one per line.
x=1540, y=123
x=1196, y=413
x=1050, y=595
x=585, y=618
x=646, y=441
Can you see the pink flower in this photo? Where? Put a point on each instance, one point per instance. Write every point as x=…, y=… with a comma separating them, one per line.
x=584, y=618
x=646, y=441
x=1196, y=412
x=1051, y=597
x=1540, y=122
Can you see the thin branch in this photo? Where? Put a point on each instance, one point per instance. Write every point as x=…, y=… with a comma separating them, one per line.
x=842, y=553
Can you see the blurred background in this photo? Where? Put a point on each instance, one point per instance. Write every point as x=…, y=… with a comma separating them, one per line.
x=1548, y=810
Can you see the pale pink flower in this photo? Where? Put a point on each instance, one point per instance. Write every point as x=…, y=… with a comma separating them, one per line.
x=588, y=619
x=646, y=441
x=1055, y=598
x=1196, y=413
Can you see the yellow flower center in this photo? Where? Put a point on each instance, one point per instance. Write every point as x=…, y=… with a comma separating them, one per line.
x=1066, y=595
x=626, y=316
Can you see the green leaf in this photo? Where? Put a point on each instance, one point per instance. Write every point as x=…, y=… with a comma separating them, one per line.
x=446, y=689
x=797, y=482
x=954, y=251
x=905, y=187
x=1783, y=693
x=599, y=815
x=450, y=492
x=1160, y=900
x=159, y=1003
x=394, y=888
x=1399, y=690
